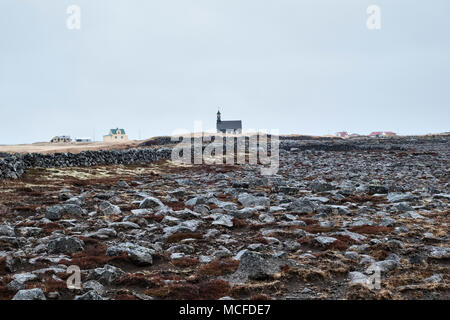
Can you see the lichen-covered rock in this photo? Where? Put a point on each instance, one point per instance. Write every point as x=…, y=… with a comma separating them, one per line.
x=65, y=245
x=30, y=294
x=139, y=255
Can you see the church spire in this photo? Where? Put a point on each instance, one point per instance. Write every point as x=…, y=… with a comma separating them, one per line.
x=218, y=116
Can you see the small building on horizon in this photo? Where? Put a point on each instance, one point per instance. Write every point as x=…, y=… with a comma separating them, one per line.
x=229, y=126
x=376, y=134
x=115, y=135
x=61, y=139
x=83, y=140
x=382, y=134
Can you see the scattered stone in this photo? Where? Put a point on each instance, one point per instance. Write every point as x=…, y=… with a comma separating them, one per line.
x=435, y=278
x=54, y=212
x=255, y=266
x=108, y=208
x=30, y=294
x=138, y=254
x=323, y=241
x=90, y=295
x=107, y=275
x=19, y=280
x=65, y=245
x=151, y=203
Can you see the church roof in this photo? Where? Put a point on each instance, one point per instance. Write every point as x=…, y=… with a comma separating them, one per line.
x=233, y=124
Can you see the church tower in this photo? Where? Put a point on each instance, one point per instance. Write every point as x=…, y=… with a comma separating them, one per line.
x=218, y=116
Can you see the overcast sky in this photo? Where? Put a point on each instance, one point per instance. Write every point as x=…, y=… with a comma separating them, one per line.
x=306, y=67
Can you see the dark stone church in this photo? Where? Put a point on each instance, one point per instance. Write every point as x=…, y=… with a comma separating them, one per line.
x=233, y=126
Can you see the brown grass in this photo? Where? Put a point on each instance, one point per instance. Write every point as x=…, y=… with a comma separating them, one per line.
x=177, y=237
x=316, y=228
x=240, y=290
x=366, y=229
x=260, y=239
x=50, y=227
x=2, y=265
x=176, y=206
x=185, y=262
x=309, y=221
x=94, y=255
x=214, y=289
x=361, y=292
x=207, y=290
x=362, y=199
x=307, y=274
x=239, y=223
x=73, y=147
x=5, y=293
x=220, y=267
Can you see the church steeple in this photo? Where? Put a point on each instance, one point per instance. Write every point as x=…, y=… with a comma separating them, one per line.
x=218, y=116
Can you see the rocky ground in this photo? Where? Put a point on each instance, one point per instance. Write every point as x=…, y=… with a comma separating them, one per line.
x=164, y=231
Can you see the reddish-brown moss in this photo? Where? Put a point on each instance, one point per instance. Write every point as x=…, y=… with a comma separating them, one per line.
x=362, y=199
x=207, y=290
x=185, y=262
x=214, y=289
x=366, y=229
x=154, y=217
x=2, y=265
x=239, y=223
x=176, y=206
x=316, y=228
x=220, y=267
x=50, y=227
x=94, y=255
x=5, y=293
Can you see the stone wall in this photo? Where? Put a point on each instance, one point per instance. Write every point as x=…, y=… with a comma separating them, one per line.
x=14, y=166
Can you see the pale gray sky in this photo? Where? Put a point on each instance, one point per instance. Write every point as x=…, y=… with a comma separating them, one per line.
x=307, y=67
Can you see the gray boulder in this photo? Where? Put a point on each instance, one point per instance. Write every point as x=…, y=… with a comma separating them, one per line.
x=249, y=200
x=358, y=278
x=256, y=266
x=90, y=295
x=373, y=189
x=320, y=186
x=108, y=208
x=323, y=241
x=399, y=197
x=65, y=245
x=7, y=231
x=223, y=220
x=19, y=280
x=54, y=212
x=151, y=203
x=138, y=254
x=107, y=275
x=74, y=209
x=30, y=294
